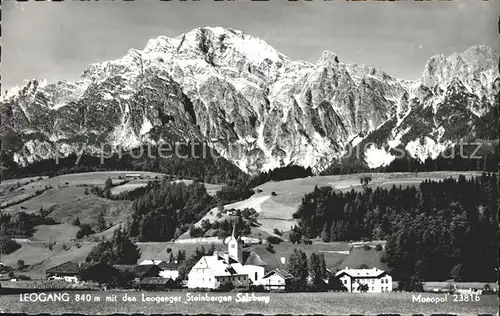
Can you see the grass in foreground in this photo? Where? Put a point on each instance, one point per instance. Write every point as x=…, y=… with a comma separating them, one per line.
x=284, y=303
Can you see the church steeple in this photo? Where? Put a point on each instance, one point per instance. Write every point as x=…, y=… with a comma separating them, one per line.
x=234, y=248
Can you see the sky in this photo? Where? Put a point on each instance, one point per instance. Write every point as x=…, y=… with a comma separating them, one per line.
x=58, y=40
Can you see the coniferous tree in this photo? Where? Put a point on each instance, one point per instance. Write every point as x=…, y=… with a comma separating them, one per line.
x=76, y=222
x=298, y=267
x=317, y=270
x=101, y=223
x=181, y=256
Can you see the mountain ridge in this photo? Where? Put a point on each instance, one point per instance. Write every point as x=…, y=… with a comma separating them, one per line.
x=254, y=105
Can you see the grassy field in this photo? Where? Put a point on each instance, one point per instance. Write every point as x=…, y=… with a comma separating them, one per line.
x=291, y=192
x=129, y=186
x=7, y=184
x=278, y=303
x=134, y=184
x=276, y=211
x=211, y=188
x=40, y=258
x=89, y=178
x=359, y=256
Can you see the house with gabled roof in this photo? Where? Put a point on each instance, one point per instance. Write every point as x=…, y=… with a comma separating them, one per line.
x=170, y=270
x=146, y=271
x=371, y=280
x=211, y=272
x=68, y=271
x=155, y=284
x=71, y=271
x=276, y=280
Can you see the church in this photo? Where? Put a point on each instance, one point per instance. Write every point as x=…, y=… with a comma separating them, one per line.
x=236, y=266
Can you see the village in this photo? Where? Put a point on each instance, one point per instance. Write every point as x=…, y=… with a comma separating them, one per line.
x=230, y=269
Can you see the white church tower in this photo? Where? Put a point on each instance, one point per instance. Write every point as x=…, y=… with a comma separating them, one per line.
x=234, y=247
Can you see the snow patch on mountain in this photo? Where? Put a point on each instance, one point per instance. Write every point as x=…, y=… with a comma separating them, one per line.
x=377, y=157
x=124, y=136
x=146, y=126
x=426, y=148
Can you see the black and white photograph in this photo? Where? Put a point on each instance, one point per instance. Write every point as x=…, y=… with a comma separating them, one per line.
x=239, y=157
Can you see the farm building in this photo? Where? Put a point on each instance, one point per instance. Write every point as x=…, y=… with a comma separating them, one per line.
x=125, y=267
x=373, y=280
x=146, y=271
x=169, y=270
x=100, y=272
x=155, y=284
x=133, y=175
x=77, y=271
x=276, y=280
x=68, y=271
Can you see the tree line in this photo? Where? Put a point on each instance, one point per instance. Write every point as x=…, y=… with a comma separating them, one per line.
x=22, y=224
x=487, y=160
x=241, y=220
x=193, y=162
x=432, y=231
x=280, y=174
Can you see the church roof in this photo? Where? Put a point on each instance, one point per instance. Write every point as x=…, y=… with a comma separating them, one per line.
x=253, y=259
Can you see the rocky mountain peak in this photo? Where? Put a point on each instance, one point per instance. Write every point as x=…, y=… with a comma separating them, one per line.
x=253, y=104
x=476, y=63
x=328, y=56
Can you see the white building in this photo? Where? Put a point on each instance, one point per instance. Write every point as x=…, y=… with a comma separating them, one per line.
x=210, y=272
x=275, y=280
x=169, y=270
x=71, y=279
x=220, y=268
x=376, y=280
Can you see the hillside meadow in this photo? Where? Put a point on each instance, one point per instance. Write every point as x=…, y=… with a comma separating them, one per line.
x=276, y=210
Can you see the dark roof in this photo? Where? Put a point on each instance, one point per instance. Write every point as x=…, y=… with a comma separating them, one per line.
x=169, y=266
x=281, y=272
x=232, y=260
x=271, y=259
x=155, y=281
x=374, y=276
x=141, y=270
x=70, y=267
x=254, y=259
x=125, y=267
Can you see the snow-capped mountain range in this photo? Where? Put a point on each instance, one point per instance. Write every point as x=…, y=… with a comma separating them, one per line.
x=254, y=105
